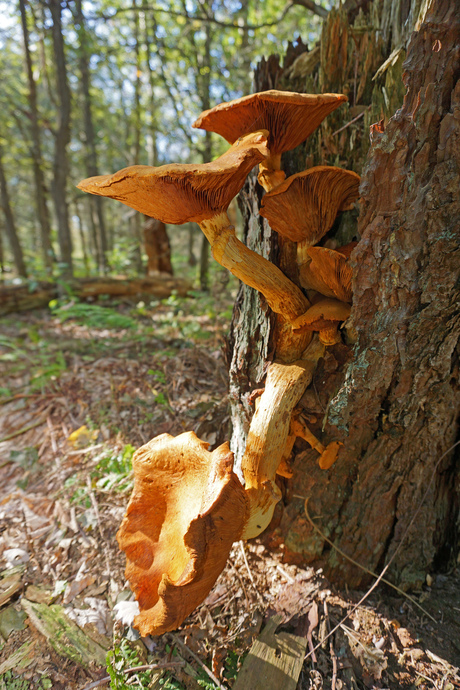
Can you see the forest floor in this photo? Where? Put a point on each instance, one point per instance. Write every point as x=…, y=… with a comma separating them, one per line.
x=82, y=386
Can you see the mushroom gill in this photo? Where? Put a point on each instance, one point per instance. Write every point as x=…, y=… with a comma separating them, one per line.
x=289, y=117
x=326, y=271
x=304, y=207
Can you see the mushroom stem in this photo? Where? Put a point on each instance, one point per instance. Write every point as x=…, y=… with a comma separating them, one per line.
x=270, y=173
x=302, y=431
x=282, y=295
x=268, y=434
x=328, y=454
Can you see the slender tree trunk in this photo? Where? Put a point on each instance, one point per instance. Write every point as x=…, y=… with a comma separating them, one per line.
x=10, y=225
x=81, y=234
x=62, y=139
x=90, y=141
x=207, y=151
x=392, y=399
x=37, y=160
x=153, y=126
x=2, y=255
x=135, y=220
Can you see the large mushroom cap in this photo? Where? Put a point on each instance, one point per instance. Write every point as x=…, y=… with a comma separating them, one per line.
x=179, y=193
x=326, y=271
x=303, y=207
x=289, y=117
x=186, y=510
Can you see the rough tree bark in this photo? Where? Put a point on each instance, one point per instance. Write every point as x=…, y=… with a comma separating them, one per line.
x=393, y=399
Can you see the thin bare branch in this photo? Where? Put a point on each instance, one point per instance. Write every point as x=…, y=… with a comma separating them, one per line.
x=208, y=17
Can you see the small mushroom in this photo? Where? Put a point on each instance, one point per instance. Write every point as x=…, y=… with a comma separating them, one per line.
x=186, y=510
x=179, y=193
x=328, y=454
x=326, y=271
x=289, y=117
x=304, y=207
x=324, y=317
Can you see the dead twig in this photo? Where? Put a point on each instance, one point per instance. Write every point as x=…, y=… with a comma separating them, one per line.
x=331, y=648
x=24, y=430
x=337, y=131
x=362, y=567
x=134, y=669
x=259, y=596
x=198, y=660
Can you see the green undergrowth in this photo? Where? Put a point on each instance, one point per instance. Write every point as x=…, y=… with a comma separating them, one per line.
x=127, y=654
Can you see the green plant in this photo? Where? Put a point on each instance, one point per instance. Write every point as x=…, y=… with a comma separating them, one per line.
x=91, y=315
x=113, y=469
x=10, y=682
x=119, y=659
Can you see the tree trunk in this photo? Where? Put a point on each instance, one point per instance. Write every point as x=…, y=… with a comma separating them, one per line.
x=10, y=225
x=392, y=400
x=62, y=139
x=90, y=142
x=157, y=247
x=36, y=151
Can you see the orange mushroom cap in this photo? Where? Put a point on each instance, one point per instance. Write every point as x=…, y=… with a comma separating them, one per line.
x=324, y=316
x=179, y=193
x=186, y=510
x=328, y=272
x=289, y=117
x=304, y=207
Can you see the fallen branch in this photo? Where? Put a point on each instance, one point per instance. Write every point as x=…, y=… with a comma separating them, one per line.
x=26, y=297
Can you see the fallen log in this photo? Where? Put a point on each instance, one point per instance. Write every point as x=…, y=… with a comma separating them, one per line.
x=38, y=294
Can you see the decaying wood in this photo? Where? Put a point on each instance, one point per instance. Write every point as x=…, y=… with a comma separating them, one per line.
x=63, y=634
x=37, y=295
x=274, y=661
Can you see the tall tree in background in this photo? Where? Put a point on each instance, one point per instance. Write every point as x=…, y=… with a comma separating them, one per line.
x=62, y=139
x=392, y=399
x=95, y=202
x=10, y=225
x=36, y=150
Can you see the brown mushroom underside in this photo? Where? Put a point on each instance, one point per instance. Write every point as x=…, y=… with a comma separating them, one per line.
x=181, y=193
x=328, y=272
x=289, y=117
x=304, y=207
x=186, y=510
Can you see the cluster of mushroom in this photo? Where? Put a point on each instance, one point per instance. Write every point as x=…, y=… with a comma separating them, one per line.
x=188, y=505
